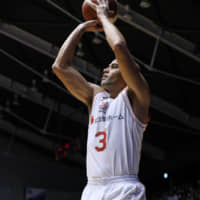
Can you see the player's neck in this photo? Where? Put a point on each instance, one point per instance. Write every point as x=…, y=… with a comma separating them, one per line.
x=113, y=91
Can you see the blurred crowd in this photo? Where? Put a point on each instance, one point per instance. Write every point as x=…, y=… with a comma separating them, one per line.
x=186, y=191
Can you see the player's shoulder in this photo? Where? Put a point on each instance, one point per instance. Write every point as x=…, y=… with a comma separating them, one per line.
x=96, y=89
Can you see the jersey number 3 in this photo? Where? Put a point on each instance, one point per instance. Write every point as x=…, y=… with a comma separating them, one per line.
x=103, y=141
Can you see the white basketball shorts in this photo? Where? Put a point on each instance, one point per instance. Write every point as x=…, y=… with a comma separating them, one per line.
x=114, y=188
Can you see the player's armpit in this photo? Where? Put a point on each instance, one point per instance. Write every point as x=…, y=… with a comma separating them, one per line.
x=77, y=85
x=140, y=109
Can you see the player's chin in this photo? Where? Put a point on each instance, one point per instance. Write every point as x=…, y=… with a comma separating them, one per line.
x=103, y=83
x=106, y=82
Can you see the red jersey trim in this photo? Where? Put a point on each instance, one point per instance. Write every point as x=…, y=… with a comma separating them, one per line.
x=127, y=102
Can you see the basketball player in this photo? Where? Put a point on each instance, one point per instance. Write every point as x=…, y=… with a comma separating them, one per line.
x=118, y=114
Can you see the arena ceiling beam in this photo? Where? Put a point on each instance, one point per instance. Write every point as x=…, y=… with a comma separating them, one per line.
x=129, y=16
x=38, y=98
x=175, y=112
x=147, y=26
x=35, y=139
x=45, y=48
x=75, y=114
x=86, y=68
x=26, y=134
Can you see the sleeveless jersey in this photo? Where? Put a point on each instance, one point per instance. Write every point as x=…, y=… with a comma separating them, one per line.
x=114, y=137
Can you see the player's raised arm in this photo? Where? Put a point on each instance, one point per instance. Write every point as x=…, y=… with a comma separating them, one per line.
x=62, y=66
x=128, y=67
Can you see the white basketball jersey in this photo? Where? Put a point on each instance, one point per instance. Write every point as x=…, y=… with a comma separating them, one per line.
x=114, y=137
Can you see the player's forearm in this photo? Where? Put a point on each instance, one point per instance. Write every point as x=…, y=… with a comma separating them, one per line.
x=66, y=52
x=113, y=35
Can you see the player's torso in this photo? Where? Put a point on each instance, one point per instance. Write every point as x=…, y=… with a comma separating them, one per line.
x=114, y=139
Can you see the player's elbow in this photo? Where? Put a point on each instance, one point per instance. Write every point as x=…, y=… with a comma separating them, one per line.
x=119, y=46
x=58, y=70
x=57, y=67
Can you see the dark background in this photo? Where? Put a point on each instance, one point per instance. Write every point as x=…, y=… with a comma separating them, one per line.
x=38, y=116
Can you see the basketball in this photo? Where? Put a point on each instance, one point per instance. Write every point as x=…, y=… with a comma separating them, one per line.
x=89, y=11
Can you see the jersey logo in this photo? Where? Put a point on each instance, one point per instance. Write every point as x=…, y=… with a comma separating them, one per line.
x=103, y=106
x=120, y=117
x=108, y=118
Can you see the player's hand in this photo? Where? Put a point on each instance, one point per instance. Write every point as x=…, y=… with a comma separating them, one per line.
x=92, y=26
x=102, y=9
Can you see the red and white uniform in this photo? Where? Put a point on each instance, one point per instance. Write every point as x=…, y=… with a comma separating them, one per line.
x=113, y=150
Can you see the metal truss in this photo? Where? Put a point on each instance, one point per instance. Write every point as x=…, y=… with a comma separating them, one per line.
x=45, y=48
x=88, y=69
x=147, y=26
x=150, y=28
x=38, y=98
x=63, y=109
x=35, y=139
x=126, y=15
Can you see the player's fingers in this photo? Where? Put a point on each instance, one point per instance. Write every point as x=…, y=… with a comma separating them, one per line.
x=107, y=3
x=102, y=2
x=92, y=4
x=99, y=2
x=92, y=22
